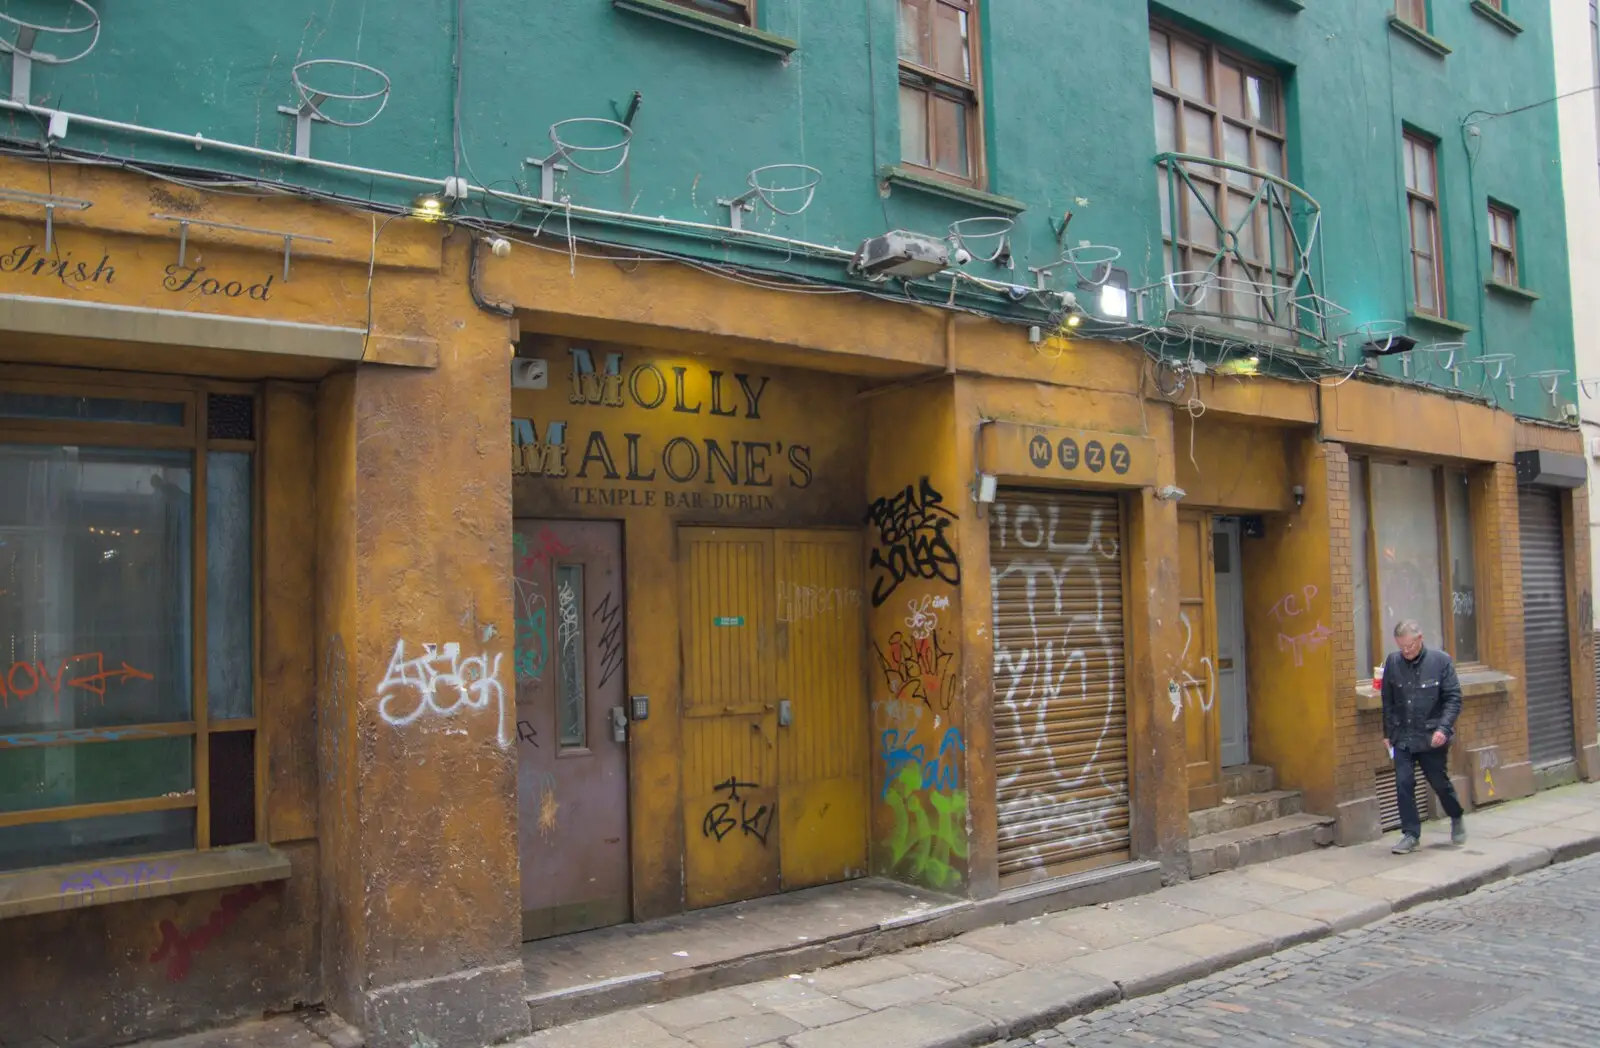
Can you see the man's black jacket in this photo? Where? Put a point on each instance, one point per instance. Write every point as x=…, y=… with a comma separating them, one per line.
x=1420, y=696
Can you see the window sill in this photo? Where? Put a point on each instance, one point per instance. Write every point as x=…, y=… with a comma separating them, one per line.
x=1499, y=18
x=51, y=889
x=1442, y=322
x=908, y=179
x=710, y=25
x=1293, y=5
x=1512, y=291
x=1475, y=684
x=1426, y=41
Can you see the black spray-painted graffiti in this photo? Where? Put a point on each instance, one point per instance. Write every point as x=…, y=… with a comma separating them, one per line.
x=720, y=820
x=527, y=733
x=911, y=540
x=609, y=615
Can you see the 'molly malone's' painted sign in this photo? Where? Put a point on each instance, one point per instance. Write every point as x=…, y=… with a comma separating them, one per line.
x=668, y=433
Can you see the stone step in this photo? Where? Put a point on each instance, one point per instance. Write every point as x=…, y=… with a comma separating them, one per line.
x=1246, y=809
x=1247, y=778
x=1277, y=839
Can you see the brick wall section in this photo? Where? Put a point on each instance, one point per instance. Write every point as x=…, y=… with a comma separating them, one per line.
x=1496, y=720
x=1349, y=722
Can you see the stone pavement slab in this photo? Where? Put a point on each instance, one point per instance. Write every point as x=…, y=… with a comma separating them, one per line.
x=618, y=1030
x=1339, y=910
x=1220, y=946
x=1031, y=942
x=1282, y=929
x=914, y=1026
x=1139, y=968
x=959, y=963
x=1116, y=923
x=1035, y=996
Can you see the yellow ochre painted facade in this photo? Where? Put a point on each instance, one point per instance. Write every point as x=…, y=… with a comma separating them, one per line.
x=808, y=652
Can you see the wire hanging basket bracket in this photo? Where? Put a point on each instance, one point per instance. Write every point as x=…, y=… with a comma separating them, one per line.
x=974, y=235
x=766, y=185
x=23, y=53
x=1550, y=382
x=309, y=111
x=569, y=155
x=1097, y=259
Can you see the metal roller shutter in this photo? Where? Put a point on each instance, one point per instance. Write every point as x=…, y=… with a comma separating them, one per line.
x=1544, y=599
x=1060, y=690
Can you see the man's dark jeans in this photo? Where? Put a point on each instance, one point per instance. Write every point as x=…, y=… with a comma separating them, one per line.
x=1436, y=771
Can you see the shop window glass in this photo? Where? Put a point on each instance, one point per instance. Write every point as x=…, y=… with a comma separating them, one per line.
x=1463, y=588
x=102, y=722
x=1405, y=508
x=230, y=667
x=571, y=725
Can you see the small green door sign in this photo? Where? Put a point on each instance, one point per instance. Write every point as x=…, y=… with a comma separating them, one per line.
x=728, y=620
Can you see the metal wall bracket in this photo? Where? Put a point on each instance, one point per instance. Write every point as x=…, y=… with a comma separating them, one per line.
x=49, y=203
x=305, y=114
x=185, y=222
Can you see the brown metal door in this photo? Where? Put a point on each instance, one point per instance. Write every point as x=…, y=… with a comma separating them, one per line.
x=572, y=771
x=1060, y=688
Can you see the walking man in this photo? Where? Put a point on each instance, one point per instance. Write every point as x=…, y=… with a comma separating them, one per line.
x=1421, y=701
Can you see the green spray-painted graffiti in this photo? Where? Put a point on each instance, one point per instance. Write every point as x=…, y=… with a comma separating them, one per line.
x=928, y=844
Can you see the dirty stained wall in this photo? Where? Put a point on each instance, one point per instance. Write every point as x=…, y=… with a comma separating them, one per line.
x=924, y=756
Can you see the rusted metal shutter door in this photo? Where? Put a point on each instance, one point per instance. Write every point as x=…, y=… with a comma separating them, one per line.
x=1060, y=690
x=1544, y=627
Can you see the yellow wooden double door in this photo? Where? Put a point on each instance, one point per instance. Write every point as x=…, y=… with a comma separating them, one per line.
x=774, y=728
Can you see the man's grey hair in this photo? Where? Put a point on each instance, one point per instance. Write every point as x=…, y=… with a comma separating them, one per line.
x=1407, y=628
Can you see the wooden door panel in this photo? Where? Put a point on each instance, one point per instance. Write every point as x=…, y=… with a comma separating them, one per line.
x=1197, y=685
x=730, y=744
x=823, y=756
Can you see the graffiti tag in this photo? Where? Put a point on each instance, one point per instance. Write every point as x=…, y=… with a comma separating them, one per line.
x=911, y=540
x=720, y=820
x=441, y=682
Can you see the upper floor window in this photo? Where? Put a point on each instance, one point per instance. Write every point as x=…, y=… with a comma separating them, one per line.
x=1415, y=12
x=940, y=122
x=742, y=12
x=1503, y=244
x=1422, y=206
x=1212, y=103
x=127, y=614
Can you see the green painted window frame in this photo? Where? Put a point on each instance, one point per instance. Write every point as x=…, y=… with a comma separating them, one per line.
x=1421, y=35
x=1498, y=15
x=1494, y=207
x=690, y=18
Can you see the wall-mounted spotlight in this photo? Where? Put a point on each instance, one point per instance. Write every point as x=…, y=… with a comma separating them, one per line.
x=1170, y=493
x=1107, y=292
x=987, y=487
x=1299, y=493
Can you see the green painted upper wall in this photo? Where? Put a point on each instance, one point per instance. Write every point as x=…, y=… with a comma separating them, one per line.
x=1068, y=125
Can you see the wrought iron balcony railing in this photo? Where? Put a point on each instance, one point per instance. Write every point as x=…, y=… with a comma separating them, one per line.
x=1241, y=248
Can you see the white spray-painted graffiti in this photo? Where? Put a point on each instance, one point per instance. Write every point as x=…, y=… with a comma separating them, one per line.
x=1061, y=656
x=924, y=617
x=441, y=682
x=803, y=603
x=1195, y=691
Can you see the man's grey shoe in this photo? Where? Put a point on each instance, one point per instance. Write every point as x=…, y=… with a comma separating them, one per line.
x=1405, y=846
x=1458, y=831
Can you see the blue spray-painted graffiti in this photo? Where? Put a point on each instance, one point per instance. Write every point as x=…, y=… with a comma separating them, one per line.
x=57, y=738
x=943, y=772
x=80, y=886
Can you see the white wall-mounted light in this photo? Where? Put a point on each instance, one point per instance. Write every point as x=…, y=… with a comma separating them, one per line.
x=1108, y=295
x=1170, y=493
x=987, y=487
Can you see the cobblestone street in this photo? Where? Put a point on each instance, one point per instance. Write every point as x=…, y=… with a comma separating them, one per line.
x=1512, y=964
